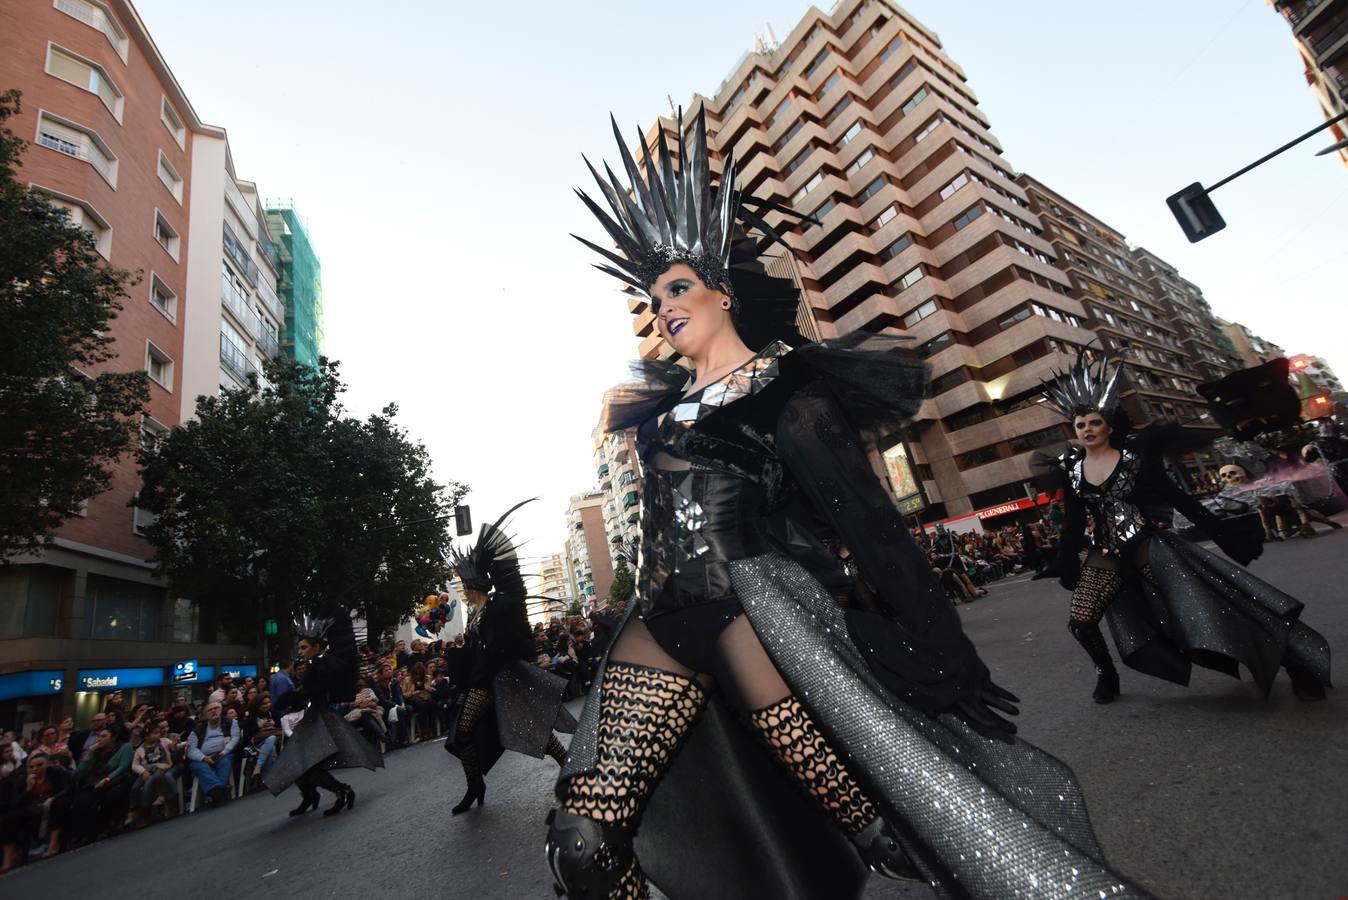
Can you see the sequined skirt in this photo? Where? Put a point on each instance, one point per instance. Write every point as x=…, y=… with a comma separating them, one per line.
x=979, y=818
x=1200, y=608
x=529, y=707
x=322, y=738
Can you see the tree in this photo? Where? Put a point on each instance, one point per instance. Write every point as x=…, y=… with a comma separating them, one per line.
x=575, y=609
x=274, y=502
x=62, y=427
x=624, y=583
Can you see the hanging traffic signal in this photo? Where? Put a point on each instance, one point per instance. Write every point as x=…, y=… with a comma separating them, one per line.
x=463, y=521
x=1194, y=210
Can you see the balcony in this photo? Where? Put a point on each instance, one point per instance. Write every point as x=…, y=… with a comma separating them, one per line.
x=271, y=301
x=268, y=344
x=630, y=499
x=603, y=470
x=235, y=360
x=237, y=303
x=1325, y=44
x=238, y=253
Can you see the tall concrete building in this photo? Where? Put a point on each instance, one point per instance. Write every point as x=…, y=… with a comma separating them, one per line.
x=115, y=140
x=228, y=341
x=589, y=567
x=619, y=472
x=1252, y=349
x=1320, y=32
x=1208, y=352
x=552, y=583
x=1121, y=308
x=861, y=119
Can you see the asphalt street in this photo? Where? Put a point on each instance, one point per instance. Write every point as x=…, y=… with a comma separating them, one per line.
x=1201, y=792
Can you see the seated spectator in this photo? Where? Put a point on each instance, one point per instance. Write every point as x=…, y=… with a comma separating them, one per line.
x=223, y=682
x=34, y=805
x=180, y=718
x=152, y=766
x=261, y=736
x=417, y=695
x=57, y=750
x=103, y=785
x=114, y=707
x=442, y=695
x=210, y=753
x=83, y=741
x=954, y=582
x=11, y=755
x=365, y=713
x=389, y=693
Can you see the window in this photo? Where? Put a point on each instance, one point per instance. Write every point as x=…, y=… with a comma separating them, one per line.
x=151, y=433
x=871, y=190
x=780, y=111
x=1019, y=315
x=968, y=216
x=836, y=111
x=949, y=380
x=920, y=313
x=87, y=75
x=85, y=216
x=159, y=366
x=810, y=185
x=886, y=216
x=163, y=298
x=786, y=138
x=30, y=597
x=1027, y=442
x=165, y=234
x=910, y=278
x=170, y=177
x=816, y=63
x=67, y=137
x=186, y=620
x=907, y=69
x=863, y=157
x=936, y=345
x=828, y=85
x=123, y=610
x=931, y=126
x=96, y=15
x=799, y=160
x=960, y=181
x=897, y=247
x=914, y=100
x=173, y=123
x=850, y=133
x=893, y=47
x=823, y=210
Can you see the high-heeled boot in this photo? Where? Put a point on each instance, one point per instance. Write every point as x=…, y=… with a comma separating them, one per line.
x=644, y=716
x=346, y=798
x=308, y=801
x=1088, y=635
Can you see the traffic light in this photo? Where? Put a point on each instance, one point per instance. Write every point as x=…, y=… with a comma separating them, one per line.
x=463, y=521
x=1194, y=210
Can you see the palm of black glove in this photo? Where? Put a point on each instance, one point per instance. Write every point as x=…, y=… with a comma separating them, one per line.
x=980, y=712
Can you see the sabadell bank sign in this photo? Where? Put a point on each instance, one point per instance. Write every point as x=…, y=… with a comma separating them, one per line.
x=93, y=684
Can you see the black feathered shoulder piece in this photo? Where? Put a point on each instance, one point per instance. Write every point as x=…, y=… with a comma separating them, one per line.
x=877, y=379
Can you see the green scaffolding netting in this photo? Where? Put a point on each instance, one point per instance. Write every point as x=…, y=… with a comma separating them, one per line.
x=301, y=286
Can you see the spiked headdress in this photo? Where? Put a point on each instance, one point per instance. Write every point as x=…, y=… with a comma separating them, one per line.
x=668, y=216
x=314, y=628
x=485, y=565
x=1088, y=385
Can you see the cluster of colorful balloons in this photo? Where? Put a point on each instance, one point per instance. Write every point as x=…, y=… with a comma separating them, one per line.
x=433, y=613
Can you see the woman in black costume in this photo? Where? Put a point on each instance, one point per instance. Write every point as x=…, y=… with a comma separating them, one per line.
x=505, y=702
x=323, y=740
x=1170, y=602
x=884, y=719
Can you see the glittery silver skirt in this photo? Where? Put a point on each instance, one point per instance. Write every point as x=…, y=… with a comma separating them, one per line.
x=979, y=818
x=528, y=707
x=322, y=738
x=1199, y=607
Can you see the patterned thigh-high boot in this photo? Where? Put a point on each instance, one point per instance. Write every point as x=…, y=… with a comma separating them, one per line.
x=474, y=705
x=644, y=716
x=1095, y=590
x=556, y=750
x=797, y=743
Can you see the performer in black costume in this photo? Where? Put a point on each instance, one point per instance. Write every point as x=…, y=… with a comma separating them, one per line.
x=323, y=740
x=885, y=721
x=1170, y=602
x=505, y=701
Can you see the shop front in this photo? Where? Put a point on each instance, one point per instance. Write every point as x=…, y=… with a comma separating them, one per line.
x=28, y=697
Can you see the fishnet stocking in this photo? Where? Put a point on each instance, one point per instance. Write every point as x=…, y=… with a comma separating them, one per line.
x=644, y=716
x=1095, y=590
x=791, y=734
x=473, y=705
x=555, y=749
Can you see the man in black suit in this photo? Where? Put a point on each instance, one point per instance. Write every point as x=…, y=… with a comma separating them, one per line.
x=83, y=740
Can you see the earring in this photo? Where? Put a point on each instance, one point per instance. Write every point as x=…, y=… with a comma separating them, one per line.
x=725, y=304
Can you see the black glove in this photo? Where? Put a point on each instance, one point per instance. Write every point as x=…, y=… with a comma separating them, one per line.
x=978, y=712
x=1242, y=547
x=287, y=700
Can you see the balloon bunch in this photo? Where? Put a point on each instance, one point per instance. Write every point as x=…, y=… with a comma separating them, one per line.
x=433, y=613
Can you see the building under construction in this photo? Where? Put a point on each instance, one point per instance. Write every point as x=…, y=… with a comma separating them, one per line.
x=301, y=285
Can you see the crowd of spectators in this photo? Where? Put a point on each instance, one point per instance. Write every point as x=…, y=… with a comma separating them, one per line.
x=967, y=561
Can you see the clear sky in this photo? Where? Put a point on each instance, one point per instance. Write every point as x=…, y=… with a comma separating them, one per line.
x=432, y=148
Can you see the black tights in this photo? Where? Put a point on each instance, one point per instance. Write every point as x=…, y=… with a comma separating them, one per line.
x=318, y=777
x=649, y=704
x=474, y=704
